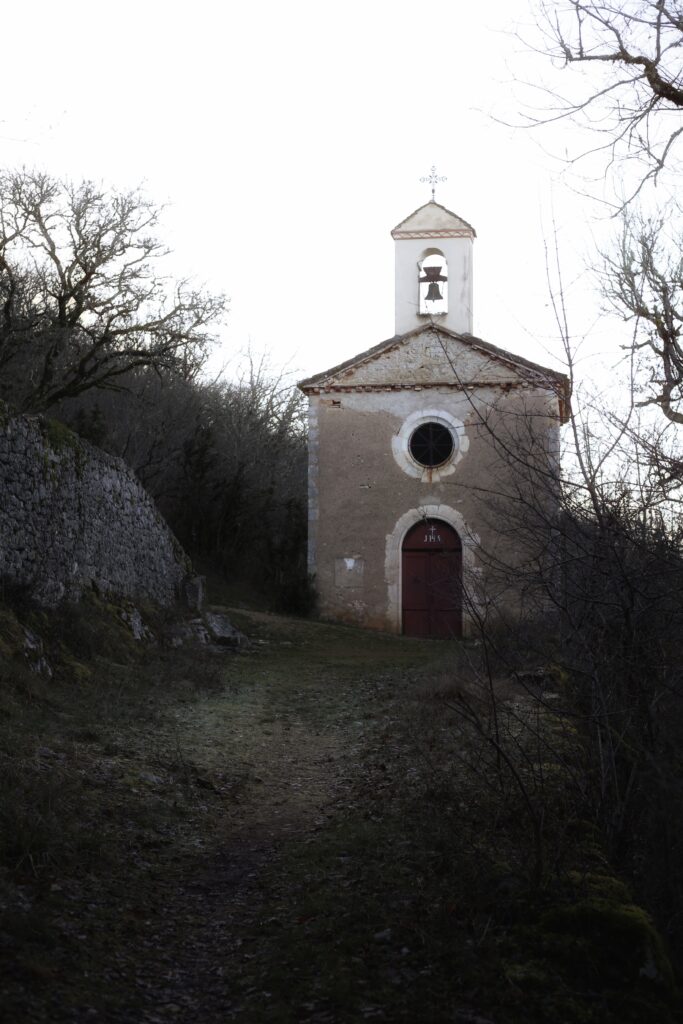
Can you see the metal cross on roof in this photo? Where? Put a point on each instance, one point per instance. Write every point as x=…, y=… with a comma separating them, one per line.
x=433, y=180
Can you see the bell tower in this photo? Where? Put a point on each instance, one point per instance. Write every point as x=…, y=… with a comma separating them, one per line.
x=434, y=270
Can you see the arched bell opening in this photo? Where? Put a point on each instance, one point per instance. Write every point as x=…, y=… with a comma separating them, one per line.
x=431, y=580
x=433, y=283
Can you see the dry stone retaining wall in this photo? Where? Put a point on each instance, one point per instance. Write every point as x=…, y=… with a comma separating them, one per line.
x=73, y=517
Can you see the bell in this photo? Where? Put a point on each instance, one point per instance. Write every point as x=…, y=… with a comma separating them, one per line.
x=432, y=275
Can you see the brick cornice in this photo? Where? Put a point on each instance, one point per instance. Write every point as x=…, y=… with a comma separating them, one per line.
x=450, y=385
x=436, y=233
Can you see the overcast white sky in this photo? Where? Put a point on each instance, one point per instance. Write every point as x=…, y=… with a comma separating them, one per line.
x=287, y=139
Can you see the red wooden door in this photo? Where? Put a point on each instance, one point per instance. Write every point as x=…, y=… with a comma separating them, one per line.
x=432, y=580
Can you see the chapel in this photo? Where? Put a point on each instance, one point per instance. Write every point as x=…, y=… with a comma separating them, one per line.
x=433, y=456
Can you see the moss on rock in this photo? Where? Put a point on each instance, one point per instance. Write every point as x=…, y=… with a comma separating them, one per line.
x=12, y=638
x=60, y=437
x=601, y=938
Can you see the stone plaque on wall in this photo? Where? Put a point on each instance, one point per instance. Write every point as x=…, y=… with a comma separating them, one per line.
x=348, y=572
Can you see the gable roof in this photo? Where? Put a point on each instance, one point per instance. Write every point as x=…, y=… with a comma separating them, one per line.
x=543, y=376
x=433, y=221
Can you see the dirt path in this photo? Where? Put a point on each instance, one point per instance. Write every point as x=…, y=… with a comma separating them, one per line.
x=197, y=960
x=208, y=849
x=282, y=751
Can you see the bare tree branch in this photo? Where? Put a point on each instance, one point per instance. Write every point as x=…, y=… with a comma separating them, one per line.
x=82, y=300
x=642, y=280
x=630, y=91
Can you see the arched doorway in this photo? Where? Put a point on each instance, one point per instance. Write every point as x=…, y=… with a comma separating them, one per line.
x=432, y=580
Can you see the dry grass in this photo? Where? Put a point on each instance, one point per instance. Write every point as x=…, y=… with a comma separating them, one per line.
x=308, y=832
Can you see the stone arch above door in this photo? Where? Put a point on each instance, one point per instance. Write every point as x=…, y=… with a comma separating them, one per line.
x=470, y=570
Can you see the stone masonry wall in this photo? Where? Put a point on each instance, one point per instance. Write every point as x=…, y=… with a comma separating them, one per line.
x=74, y=518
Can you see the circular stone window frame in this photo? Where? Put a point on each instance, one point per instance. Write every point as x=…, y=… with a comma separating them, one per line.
x=400, y=445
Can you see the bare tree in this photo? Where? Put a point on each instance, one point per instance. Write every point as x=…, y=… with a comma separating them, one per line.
x=642, y=279
x=82, y=299
x=631, y=94
x=580, y=707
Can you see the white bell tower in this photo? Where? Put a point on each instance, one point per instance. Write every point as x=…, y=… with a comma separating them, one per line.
x=434, y=269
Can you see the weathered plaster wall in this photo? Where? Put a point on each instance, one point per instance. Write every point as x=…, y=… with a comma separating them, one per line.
x=365, y=500
x=73, y=517
x=458, y=253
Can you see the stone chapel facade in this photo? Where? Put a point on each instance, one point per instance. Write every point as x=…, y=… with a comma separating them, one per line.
x=432, y=457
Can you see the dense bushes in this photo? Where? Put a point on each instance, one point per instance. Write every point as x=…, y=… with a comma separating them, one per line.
x=622, y=632
x=226, y=463
x=601, y=664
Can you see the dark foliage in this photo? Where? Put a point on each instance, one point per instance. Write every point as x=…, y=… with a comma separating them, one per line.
x=226, y=464
x=623, y=631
